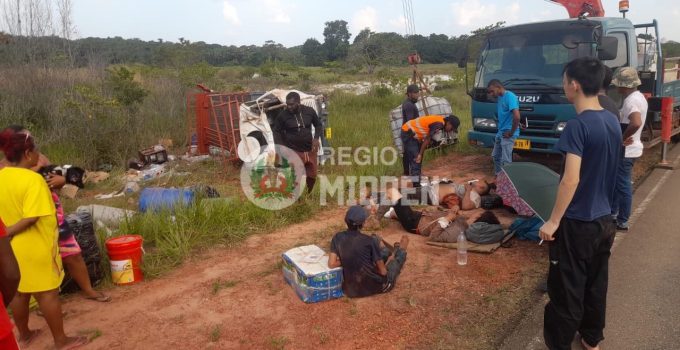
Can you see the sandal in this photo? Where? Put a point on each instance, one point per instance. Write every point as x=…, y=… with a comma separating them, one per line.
x=75, y=343
x=102, y=298
x=27, y=342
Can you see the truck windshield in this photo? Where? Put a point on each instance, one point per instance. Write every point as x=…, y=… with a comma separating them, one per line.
x=531, y=60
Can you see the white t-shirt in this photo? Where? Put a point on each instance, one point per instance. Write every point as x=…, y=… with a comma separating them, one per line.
x=635, y=102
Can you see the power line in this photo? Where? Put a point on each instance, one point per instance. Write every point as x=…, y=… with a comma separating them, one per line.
x=409, y=20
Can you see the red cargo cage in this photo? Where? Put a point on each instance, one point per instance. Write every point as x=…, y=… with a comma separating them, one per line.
x=213, y=118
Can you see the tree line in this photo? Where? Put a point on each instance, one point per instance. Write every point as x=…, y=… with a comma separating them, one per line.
x=367, y=50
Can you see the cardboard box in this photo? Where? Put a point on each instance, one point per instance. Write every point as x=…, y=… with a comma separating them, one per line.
x=306, y=270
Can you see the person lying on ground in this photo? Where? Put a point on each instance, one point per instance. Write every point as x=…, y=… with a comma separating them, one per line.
x=30, y=215
x=9, y=281
x=439, y=225
x=367, y=267
x=467, y=195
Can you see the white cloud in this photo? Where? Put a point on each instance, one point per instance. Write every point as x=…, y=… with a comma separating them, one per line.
x=230, y=14
x=275, y=12
x=475, y=14
x=398, y=23
x=366, y=17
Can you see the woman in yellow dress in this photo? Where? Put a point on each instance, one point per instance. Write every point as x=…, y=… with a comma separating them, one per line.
x=26, y=207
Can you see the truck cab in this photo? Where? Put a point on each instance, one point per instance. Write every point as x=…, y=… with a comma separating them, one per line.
x=529, y=58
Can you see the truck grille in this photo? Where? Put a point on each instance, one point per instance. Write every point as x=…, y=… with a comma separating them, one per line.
x=541, y=122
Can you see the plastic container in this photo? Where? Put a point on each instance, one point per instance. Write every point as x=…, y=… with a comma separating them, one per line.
x=157, y=198
x=125, y=255
x=461, y=244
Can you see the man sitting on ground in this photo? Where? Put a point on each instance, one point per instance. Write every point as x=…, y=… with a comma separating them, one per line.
x=367, y=268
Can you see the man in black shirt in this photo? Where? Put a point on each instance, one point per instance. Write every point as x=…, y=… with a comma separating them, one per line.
x=293, y=129
x=409, y=111
x=367, y=268
x=605, y=101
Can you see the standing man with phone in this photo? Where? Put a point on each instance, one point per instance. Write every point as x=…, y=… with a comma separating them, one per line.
x=508, y=124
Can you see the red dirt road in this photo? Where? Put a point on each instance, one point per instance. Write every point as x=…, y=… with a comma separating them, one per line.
x=235, y=297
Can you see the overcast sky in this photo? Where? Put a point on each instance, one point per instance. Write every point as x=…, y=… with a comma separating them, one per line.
x=291, y=22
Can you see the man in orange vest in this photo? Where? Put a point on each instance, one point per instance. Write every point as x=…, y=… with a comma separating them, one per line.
x=416, y=135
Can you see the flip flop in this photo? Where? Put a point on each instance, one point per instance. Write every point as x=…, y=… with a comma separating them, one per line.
x=76, y=343
x=27, y=342
x=41, y=314
x=102, y=298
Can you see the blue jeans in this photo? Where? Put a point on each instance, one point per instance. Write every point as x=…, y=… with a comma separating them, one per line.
x=623, y=192
x=502, y=152
x=393, y=267
x=411, y=151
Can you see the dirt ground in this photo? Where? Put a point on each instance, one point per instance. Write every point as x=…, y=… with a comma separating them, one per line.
x=235, y=297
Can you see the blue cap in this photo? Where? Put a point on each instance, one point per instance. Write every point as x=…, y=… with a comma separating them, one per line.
x=356, y=215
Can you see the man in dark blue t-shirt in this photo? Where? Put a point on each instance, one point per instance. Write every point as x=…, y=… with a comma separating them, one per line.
x=580, y=229
x=367, y=268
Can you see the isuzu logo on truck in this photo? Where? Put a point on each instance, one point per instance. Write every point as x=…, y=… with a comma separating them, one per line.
x=529, y=99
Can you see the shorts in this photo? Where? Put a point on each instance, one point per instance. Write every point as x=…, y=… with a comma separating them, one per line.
x=311, y=161
x=69, y=246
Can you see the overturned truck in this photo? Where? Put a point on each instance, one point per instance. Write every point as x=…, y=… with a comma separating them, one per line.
x=238, y=125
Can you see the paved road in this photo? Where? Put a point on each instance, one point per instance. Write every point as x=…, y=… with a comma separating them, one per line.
x=644, y=282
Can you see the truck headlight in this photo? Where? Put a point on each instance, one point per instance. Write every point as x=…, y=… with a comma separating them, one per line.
x=561, y=126
x=485, y=123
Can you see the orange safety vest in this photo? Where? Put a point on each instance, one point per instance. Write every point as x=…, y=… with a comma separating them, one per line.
x=421, y=125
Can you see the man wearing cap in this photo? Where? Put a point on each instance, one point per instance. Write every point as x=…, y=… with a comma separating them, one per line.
x=633, y=115
x=409, y=111
x=416, y=136
x=367, y=269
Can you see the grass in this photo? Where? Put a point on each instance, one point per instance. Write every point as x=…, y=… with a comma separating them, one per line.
x=323, y=335
x=278, y=343
x=218, y=285
x=215, y=334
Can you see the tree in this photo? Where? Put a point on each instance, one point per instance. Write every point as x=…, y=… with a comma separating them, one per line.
x=670, y=49
x=125, y=89
x=313, y=53
x=374, y=49
x=363, y=35
x=336, y=40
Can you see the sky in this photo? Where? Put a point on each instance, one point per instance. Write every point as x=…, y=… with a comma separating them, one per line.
x=291, y=22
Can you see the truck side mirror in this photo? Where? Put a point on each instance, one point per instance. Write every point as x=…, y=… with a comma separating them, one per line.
x=608, y=48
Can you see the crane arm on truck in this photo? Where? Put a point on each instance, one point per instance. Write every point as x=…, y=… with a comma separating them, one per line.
x=581, y=8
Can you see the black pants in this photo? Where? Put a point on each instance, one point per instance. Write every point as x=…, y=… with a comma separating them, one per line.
x=408, y=218
x=577, y=282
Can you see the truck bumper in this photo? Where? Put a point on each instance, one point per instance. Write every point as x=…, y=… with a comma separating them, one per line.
x=538, y=144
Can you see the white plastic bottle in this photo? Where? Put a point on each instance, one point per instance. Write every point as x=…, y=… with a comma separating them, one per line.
x=462, y=249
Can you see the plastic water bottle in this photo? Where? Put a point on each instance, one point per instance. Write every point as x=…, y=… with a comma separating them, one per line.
x=462, y=249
